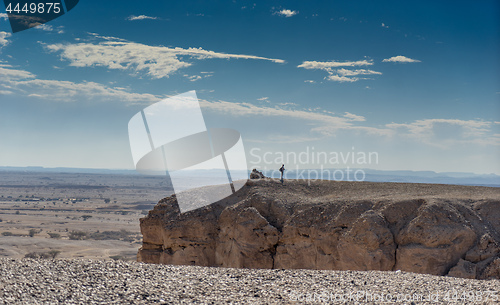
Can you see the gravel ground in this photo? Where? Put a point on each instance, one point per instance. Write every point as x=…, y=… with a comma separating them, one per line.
x=27, y=281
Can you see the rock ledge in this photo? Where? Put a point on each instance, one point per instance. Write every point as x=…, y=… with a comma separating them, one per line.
x=422, y=228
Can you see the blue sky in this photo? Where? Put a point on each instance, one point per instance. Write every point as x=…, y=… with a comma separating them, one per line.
x=417, y=82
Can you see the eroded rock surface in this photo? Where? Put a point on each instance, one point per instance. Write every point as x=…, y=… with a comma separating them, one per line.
x=422, y=228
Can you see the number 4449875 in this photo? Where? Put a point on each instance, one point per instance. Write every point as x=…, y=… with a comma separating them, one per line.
x=35, y=8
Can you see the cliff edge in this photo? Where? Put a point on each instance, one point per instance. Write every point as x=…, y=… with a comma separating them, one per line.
x=423, y=228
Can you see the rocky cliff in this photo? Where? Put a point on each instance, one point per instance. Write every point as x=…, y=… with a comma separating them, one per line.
x=424, y=228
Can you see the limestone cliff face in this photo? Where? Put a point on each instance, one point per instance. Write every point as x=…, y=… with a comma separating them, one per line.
x=423, y=228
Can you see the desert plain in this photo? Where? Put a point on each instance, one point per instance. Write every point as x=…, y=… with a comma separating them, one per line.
x=75, y=215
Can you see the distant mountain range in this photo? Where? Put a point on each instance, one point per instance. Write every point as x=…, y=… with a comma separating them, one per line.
x=408, y=176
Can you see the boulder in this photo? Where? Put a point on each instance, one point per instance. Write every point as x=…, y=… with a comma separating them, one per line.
x=255, y=174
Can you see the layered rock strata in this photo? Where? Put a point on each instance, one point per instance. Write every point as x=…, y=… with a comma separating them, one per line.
x=422, y=228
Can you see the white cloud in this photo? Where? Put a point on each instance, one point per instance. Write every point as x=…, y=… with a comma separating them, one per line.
x=323, y=65
x=345, y=72
x=288, y=104
x=140, y=17
x=402, y=59
x=444, y=133
x=25, y=83
x=309, y=81
x=156, y=61
x=70, y=91
x=247, y=109
x=3, y=39
x=49, y=28
x=4, y=16
x=194, y=78
x=354, y=117
x=286, y=13
x=45, y=27
x=320, y=123
x=440, y=133
x=8, y=73
x=341, y=79
x=385, y=26
x=342, y=74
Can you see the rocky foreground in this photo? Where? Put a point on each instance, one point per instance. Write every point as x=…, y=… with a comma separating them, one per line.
x=422, y=228
x=27, y=281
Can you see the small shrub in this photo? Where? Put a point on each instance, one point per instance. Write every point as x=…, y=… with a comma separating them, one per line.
x=7, y=234
x=43, y=255
x=53, y=253
x=33, y=255
x=32, y=232
x=85, y=217
x=114, y=235
x=77, y=235
x=117, y=257
x=54, y=235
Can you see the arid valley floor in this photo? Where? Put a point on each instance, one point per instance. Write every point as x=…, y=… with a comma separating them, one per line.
x=79, y=215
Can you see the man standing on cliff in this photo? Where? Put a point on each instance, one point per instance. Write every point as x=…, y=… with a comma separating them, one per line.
x=282, y=170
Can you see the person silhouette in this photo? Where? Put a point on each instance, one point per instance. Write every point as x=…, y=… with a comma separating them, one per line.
x=282, y=170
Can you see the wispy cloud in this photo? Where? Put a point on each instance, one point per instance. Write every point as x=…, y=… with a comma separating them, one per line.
x=444, y=133
x=340, y=79
x=320, y=123
x=26, y=84
x=194, y=78
x=345, y=72
x=9, y=74
x=3, y=39
x=342, y=74
x=287, y=13
x=155, y=61
x=4, y=16
x=401, y=59
x=385, y=26
x=50, y=28
x=354, y=117
x=322, y=65
x=140, y=17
